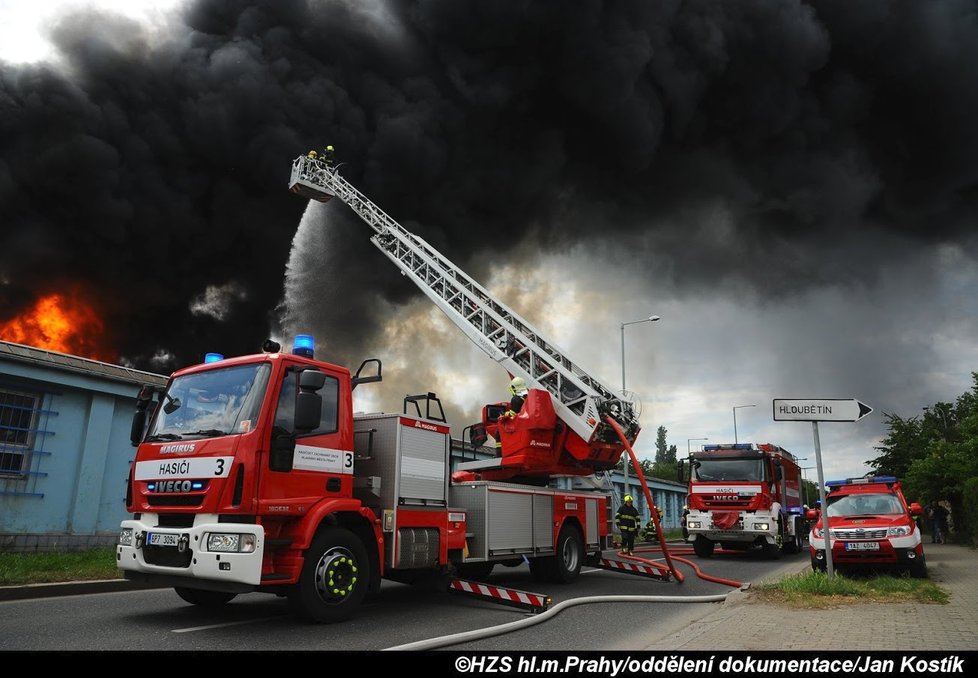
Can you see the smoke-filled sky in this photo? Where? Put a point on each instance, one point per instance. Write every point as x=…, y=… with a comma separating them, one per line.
x=792, y=186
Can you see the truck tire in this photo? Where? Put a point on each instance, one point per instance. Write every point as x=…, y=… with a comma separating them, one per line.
x=774, y=551
x=334, y=578
x=204, y=598
x=793, y=543
x=569, y=557
x=702, y=546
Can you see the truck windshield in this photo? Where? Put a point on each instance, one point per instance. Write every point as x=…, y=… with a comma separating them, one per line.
x=729, y=469
x=864, y=505
x=213, y=403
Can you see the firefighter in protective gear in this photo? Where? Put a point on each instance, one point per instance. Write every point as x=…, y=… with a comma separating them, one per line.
x=518, y=391
x=627, y=521
x=649, y=533
x=327, y=156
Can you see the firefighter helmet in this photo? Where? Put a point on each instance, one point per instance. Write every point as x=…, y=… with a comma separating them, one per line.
x=312, y=154
x=628, y=497
x=329, y=148
x=518, y=386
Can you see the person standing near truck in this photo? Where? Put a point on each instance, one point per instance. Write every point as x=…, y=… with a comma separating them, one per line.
x=627, y=521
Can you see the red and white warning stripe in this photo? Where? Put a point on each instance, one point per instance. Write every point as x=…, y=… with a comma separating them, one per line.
x=534, y=601
x=634, y=568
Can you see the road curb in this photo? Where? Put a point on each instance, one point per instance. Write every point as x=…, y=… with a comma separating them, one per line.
x=73, y=588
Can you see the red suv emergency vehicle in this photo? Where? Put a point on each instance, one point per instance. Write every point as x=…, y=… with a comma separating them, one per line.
x=870, y=524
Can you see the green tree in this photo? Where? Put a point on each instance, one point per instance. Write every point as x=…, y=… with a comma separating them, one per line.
x=936, y=457
x=661, y=449
x=902, y=445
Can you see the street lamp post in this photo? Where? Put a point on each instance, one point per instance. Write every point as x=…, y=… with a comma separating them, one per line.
x=687, y=445
x=737, y=407
x=650, y=319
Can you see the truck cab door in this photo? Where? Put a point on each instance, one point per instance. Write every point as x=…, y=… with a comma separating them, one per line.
x=303, y=462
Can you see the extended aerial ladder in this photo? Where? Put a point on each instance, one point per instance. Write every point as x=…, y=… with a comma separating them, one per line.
x=579, y=400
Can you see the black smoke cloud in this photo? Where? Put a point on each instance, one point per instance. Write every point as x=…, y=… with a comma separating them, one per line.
x=152, y=168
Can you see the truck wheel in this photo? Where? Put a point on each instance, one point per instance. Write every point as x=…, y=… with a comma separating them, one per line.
x=334, y=577
x=204, y=598
x=474, y=571
x=792, y=543
x=702, y=546
x=569, y=556
x=773, y=551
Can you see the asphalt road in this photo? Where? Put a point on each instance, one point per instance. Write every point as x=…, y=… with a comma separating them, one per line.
x=159, y=620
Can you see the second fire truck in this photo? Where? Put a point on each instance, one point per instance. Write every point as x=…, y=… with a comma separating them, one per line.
x=743, y=495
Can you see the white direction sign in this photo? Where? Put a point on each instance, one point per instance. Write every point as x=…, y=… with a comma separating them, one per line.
x=832, y=409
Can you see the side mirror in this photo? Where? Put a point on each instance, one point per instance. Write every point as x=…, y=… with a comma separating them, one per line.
x=811, y=514
x=681, y=471
x=916, y=509
x=138, y=426
x=143, y=399
x=308, y=403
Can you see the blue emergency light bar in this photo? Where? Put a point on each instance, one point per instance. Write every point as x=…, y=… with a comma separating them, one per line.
x=304, y=345
x=213, y=358
x=735, y=446
x=868, y=480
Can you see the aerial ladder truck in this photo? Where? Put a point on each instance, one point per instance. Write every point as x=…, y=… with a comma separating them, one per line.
x=253, y=473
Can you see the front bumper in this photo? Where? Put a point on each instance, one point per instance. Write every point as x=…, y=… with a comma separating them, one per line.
x=188, y=557
x=747, y=530
x=893, y=551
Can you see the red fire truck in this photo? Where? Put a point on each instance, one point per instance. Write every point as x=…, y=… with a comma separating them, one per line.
x=253, y=474
x=744, y=495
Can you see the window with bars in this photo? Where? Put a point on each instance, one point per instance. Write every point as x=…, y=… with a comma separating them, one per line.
x=18, y=416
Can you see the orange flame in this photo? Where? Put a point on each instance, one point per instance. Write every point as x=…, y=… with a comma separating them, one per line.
x=59, y=322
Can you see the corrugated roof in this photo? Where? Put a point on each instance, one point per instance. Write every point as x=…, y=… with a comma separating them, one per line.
x=72, y=363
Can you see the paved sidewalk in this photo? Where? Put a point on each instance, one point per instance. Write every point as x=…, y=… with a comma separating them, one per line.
x=742, y=623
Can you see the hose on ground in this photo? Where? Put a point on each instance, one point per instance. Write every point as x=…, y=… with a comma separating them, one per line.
x=491, y=631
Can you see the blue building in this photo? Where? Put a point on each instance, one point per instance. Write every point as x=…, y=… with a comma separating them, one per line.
x=64, y=448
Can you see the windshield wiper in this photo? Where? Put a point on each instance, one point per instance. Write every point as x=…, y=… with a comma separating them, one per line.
x=164, y=436
x=208, y=432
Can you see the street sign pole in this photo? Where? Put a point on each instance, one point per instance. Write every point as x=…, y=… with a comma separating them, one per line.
x=830, y=570
x=831, y=409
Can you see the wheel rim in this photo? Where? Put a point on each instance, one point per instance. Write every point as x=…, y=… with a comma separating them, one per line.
x=570, y=555
x=336, y=575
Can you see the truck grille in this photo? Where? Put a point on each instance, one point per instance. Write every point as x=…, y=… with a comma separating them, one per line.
x=860, y=533
x=721, y=502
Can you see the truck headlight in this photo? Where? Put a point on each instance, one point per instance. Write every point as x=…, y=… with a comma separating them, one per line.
x=761, y=526
x=693, y=524
x=125, y=536
x=898, y=531
x=230, y=543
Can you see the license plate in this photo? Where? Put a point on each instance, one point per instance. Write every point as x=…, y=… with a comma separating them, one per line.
x=863, y=546
x=162, y=539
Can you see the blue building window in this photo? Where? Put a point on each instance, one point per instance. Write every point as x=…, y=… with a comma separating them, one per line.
x=18, y=424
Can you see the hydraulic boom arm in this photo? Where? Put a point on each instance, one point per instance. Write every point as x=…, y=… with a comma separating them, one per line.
x=580, y=400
